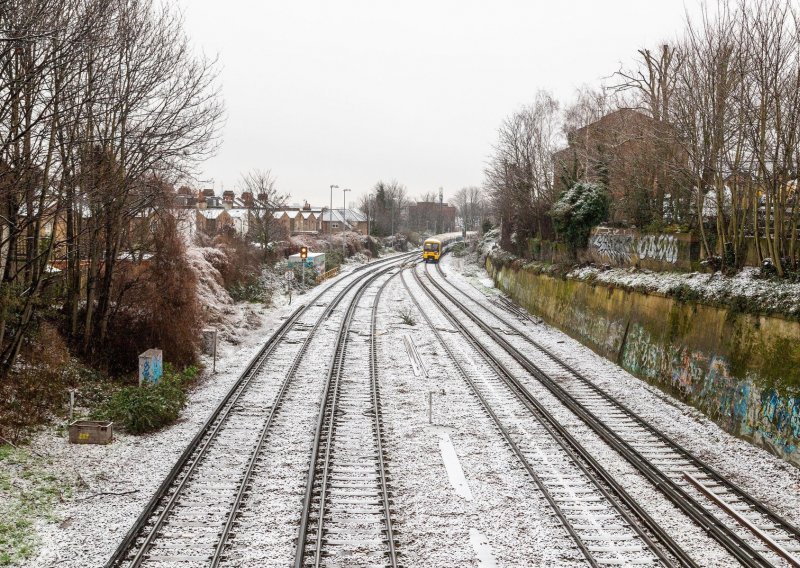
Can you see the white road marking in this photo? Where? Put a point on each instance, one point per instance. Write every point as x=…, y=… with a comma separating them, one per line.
x=483, y=550
x=453, y=467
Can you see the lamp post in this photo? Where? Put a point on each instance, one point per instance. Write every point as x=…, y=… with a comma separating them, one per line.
x=344, y=219
x=330, y=212
x=441, y=210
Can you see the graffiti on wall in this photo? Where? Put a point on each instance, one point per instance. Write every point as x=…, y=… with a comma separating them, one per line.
x=705, y=380
x=614, y=244
x=658, y=247
x=620, y=245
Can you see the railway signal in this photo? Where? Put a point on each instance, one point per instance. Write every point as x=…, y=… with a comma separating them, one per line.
x=303, y=257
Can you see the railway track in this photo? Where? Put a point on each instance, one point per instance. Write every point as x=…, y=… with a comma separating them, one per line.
x=347, y=519
x=593, y=508
x=189, y=519
x=758, y=537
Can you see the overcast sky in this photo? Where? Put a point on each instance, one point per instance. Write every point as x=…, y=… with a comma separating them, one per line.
x=349, y=92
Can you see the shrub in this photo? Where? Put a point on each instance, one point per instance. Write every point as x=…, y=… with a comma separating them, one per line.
x=240, y=263
x=458, y=250
x=252, y=290
x=486, y=226
x=372, y=246
x=580, y=208
x=149, y=407
x=158, y=306
x=333, y=257
x=37, y=385
x=686, y=294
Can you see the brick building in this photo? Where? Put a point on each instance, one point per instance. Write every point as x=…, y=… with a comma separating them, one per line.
x=627, y=150
x=431, y=217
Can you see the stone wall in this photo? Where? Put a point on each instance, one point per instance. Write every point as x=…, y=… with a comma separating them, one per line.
x=629, y=247
x=743, y=371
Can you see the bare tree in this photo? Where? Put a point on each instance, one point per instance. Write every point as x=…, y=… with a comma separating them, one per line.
x=264, y=200
x=519, y=174
x=706, y=115
x=103, y=106
x=471, y=206
x=390, y=201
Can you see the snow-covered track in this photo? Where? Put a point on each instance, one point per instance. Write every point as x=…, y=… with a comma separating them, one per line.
x=655, y=455
x=585, y=498
x=347, y=517
x=188, y=520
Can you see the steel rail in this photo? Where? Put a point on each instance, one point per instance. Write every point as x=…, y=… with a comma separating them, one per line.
x=574, y=449
x=699, y=463
x=330, y=391
x=206, y=434
x=376, y=409
x=223, y=538
x=738, y=547
x=509, y=439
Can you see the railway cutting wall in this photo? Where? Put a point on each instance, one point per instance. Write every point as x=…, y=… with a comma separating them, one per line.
x=741, y=370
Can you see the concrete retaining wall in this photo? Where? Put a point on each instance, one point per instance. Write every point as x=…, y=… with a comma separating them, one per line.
x=743, y=371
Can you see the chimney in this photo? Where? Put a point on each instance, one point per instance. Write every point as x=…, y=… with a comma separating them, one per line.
x=263, y=198
x=247, y=197
x=227, y=199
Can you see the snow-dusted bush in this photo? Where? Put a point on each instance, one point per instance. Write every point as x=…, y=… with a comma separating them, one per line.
x=581, y=207
x=149, y=407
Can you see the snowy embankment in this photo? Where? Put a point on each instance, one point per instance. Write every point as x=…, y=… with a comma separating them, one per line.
x=112, y=484
x=746, y=287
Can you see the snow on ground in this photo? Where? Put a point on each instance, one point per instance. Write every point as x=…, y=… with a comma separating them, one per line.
x=767, y=477
x=114, y=482
x=470, y=505
x=489, y=514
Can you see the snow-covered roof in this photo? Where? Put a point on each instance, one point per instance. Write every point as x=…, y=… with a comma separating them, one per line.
x=351, y=215
x=210, y=213
x=237, y=213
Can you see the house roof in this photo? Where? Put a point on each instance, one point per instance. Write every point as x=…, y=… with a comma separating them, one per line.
x=210, y=213
x=350, y=216
x=238, y=213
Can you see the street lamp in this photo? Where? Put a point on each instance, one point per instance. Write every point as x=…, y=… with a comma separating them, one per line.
x=344, y=219
x=330, y=212
x=441, y=209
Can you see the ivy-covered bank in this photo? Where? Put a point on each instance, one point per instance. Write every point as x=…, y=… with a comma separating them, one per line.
x=739, y=367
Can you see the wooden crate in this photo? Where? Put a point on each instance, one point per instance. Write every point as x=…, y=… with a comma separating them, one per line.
x=91, y=432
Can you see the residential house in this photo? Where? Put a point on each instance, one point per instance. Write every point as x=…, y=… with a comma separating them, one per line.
x=344, y=219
